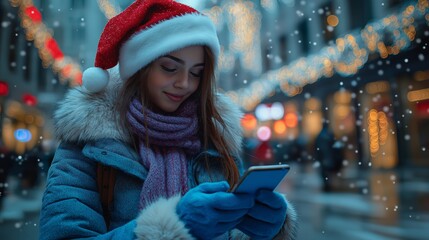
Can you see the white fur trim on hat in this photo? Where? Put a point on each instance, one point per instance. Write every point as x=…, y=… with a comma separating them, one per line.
x=95, y=79
x=165, y=37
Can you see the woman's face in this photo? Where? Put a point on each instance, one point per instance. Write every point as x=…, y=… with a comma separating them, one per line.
x=174, y=77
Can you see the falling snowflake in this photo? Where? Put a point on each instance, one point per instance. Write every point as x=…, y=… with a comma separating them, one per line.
x=316, y=164
x=18, y=224
x=5, y=24
x=307, y=95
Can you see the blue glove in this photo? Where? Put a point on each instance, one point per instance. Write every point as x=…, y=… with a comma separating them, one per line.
x=266, y=218
x=209, y=211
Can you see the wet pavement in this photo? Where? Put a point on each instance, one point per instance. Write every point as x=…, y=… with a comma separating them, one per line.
x=363, y=205
x=19, y=216
x=372, y=204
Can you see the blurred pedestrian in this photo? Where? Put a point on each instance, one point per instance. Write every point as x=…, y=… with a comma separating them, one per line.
x=167, y=140
x=6, y=163
x=329, y=153
x=29, y=169
x=46, y=155
x=263, y=154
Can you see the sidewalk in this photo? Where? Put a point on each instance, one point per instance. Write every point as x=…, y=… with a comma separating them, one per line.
x=17, y=203
x=373, y=205
x=19, y=217
x=365, y=205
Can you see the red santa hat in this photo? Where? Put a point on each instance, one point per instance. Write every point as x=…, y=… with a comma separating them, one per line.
x=145, y=31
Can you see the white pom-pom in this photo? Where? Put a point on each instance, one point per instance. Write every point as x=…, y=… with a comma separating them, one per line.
x=95, y=79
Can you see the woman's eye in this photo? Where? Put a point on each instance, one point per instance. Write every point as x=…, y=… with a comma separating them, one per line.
x=168, y=69
x=197, y=75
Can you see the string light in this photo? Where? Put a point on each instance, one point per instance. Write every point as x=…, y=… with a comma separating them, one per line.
x=49, y=51
x=244, y=24
x=269, y=5
x=108, y=9
x=346, y=58
x=385, y=37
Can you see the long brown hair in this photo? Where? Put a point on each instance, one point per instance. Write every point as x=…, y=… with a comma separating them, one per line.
x=209, y=115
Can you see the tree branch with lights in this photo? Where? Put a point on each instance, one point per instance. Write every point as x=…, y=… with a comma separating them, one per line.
x=49, y=51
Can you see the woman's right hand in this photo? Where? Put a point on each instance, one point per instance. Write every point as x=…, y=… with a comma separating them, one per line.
x=208, y=210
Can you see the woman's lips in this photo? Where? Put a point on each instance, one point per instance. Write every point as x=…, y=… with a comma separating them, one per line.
x=174, y=98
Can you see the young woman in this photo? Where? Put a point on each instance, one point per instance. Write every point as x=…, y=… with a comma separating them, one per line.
x=156, y=121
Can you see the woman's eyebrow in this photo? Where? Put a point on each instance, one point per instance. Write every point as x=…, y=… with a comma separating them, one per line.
x=181, y=61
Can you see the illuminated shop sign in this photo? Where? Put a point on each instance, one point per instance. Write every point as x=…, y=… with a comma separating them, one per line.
x=265, y=112
x=22, y=135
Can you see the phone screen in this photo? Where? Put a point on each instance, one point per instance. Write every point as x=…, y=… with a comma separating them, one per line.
x=261, y=177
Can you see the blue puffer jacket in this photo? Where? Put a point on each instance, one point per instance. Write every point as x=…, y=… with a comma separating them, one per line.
x=89, y=134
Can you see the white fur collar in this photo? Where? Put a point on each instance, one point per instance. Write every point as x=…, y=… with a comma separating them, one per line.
x=84, y=116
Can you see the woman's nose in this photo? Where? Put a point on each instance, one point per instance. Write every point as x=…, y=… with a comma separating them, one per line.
x=182, y=80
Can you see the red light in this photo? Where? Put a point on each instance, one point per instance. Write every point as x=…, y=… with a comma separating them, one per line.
x=423, y=108
x=264, y=153
x=54, y=49
x=4, y=88
x=66, y=71
x=33, y=14
x=78, y=78
x=29, y=99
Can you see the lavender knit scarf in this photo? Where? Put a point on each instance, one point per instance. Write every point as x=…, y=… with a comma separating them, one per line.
x=170, y=138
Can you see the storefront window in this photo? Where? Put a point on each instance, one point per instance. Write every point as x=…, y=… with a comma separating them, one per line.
x=312, y=118
x=379, y=130
x=21, y=128
x=415, y=114
x=343, y=122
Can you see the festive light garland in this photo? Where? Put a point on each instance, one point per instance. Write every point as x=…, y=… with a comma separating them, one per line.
x=245, y=23
x=348, y=55
x=49, y=51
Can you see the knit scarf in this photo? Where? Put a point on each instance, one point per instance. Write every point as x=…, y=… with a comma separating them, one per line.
x=170, y=139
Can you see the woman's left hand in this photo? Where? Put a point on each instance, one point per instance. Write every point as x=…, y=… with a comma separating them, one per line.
x=265, y=219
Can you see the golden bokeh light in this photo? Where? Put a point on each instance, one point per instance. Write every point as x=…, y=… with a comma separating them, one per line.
x=332, y=20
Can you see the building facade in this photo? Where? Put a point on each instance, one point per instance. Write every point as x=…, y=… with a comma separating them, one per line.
x=31, y=84
x=379, y=110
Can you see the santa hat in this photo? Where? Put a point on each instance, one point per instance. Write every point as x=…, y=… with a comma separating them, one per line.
x=145, y=31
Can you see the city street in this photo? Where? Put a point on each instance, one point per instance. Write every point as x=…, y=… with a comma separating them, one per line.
x=384, y=205
x=380, y=205
x=337, y=89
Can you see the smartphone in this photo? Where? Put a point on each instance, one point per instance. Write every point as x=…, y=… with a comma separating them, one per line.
x=261, y=177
